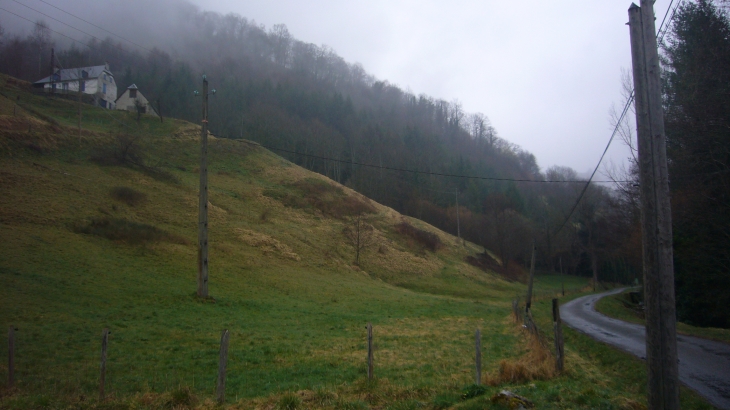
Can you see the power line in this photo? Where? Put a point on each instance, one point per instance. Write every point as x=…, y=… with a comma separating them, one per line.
x=413, y=171
x=92, y=24
x=660, y=36
x=55, y=19
x=68, y=25
x=50, y=29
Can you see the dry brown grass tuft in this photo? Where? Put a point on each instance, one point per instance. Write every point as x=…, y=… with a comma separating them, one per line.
x=266, y=243
x=537, y=363
x=328, y=198
x=628, y=404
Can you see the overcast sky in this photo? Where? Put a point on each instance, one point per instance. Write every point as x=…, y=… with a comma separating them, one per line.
x=544, y=72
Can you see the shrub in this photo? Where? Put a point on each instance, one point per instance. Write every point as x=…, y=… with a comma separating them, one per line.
x=130, y=232
x=127, y=195
x=124, y=149
x=473, y=390
x=429, y=240
x=512, y=272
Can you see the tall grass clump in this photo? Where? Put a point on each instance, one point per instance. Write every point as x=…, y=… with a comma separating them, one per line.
x=289, y=401
x=537, y=363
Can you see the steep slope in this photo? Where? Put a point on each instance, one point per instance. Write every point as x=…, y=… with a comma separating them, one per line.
x=89, y=243
x=99, y=231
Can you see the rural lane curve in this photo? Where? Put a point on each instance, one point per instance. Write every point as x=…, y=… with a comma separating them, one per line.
x=704, y=365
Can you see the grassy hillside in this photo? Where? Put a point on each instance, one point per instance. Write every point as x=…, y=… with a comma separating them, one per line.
x=99, y=229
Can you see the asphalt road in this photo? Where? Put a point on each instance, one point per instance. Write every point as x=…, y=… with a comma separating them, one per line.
x=704, y=365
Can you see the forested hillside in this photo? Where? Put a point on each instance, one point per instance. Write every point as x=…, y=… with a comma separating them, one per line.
x=312, y=107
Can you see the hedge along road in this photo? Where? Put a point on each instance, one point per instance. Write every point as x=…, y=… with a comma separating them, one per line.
x=704, y=365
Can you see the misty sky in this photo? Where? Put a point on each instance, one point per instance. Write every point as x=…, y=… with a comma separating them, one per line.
x=544, y=72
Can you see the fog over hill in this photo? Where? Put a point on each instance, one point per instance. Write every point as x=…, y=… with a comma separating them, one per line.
x=545, y=75
x=333, y=117
x=421, y=152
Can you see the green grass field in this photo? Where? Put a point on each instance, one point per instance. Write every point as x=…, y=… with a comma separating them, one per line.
x=90, y=244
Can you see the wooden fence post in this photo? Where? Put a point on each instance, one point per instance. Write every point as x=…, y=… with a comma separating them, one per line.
x=11, y=357
x=528, y=300
x=370, y=351
x=222, y=362
x=558, y=329
x=102, y=379
x=516, y=309
x=478, y=348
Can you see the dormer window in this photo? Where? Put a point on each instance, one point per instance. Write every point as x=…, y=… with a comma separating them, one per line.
x=132, y=93
x=84, y=74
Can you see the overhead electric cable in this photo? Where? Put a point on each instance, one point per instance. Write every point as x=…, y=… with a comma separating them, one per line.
x=55, y=19
x=92, y=24
x=414, y=171
x=60, y=34
x=660, y=36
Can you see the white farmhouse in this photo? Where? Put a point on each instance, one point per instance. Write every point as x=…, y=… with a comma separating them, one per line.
x=96, y=81
x=133, y=98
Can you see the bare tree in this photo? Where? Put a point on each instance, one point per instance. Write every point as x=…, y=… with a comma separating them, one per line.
x=360, y=235
x=282, y=43
x=623, y=125
x=41, y=40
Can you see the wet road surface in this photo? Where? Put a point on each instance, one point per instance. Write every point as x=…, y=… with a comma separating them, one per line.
x=704, y=365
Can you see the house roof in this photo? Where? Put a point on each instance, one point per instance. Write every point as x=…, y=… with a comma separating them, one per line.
x=72, y=74
x=131, y=87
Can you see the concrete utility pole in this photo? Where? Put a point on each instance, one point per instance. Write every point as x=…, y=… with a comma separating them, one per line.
x=203, y=199
x=656, y=218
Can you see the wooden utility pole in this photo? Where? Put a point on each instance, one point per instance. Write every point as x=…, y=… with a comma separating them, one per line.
x=222, y=364
x=370, y=352
x=159, y=110
x=458, y=226
x=79, y=107
x=528, y=301
x=11, y=356
x=203, y=201
x=102, y=378
x=656, y=218
x=558, y=329
x=53, y=66
x=478, y=349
